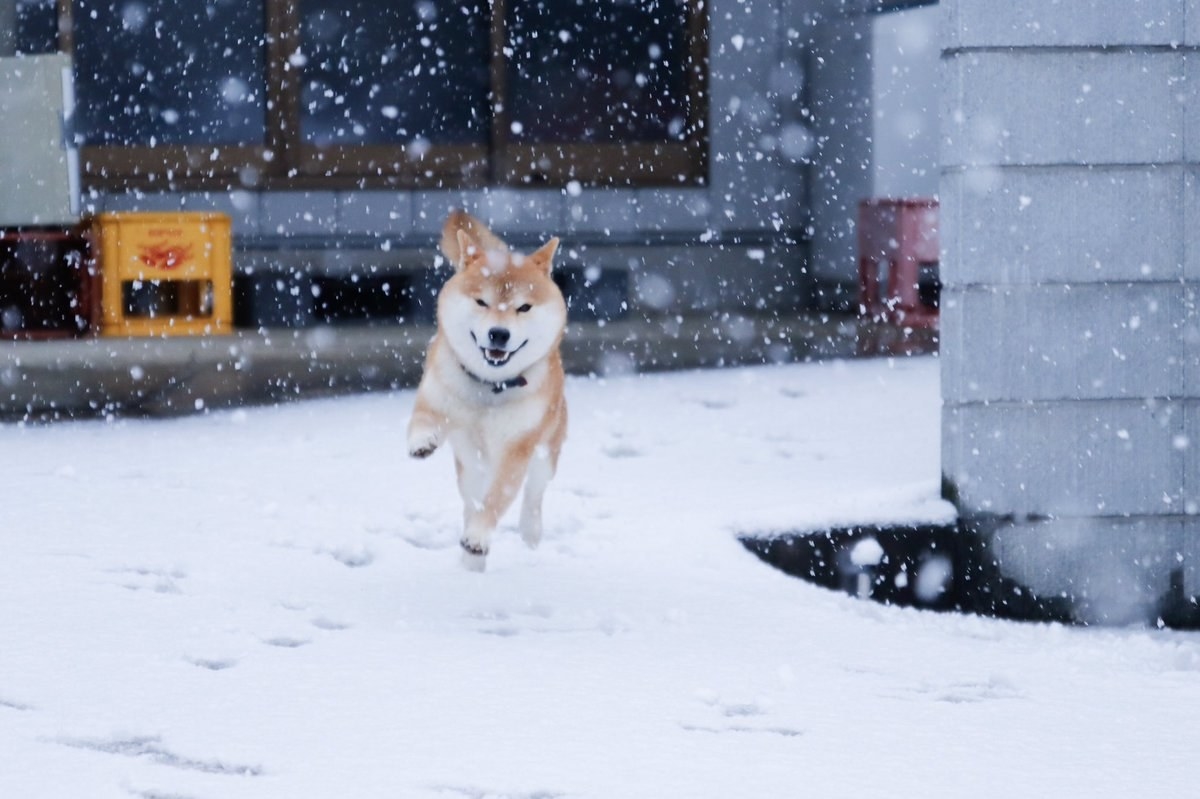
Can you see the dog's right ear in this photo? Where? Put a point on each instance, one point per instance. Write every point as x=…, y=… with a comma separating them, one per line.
x=470, y=254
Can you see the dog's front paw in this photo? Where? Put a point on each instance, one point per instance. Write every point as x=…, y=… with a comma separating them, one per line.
x=422, y=444
x=474, y=556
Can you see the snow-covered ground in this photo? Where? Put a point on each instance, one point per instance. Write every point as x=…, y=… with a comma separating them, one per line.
x=268, y=603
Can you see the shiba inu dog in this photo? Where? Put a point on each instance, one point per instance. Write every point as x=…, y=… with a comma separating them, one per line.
x=493, y=381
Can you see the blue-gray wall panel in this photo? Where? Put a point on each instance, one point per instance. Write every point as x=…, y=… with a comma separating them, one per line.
x=374, y=212
x=1064, y=225
x=299, y=213
x=1063, y=23
x=1188, y=443
x=1065, y=342
x=1191, y=230
x=1063, y=107
x=599, y=211
x=1073, y=458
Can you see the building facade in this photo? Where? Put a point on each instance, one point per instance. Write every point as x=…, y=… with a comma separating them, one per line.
x=715, y=150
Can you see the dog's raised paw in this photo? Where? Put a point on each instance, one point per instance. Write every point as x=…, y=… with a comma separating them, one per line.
x=422, y=441
x=422, y=451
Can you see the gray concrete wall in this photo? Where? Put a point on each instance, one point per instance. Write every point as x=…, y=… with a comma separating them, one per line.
x=905, y=101
x=842, y=171
x=1071, y=260
x=873, y=90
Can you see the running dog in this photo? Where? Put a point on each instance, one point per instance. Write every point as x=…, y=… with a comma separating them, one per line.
x=493, y=381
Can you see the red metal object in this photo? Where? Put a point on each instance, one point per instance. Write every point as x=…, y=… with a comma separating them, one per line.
x=900, y=235
x=48, y=286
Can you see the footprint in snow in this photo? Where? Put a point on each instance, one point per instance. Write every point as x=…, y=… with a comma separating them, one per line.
x=151, y=748
x=468, y=792
x=351, y=557
x=322, y=623
x=738, y=717
x=622, y=451
x=286, y=642
x=158, y=581
x=714, y=404
x=785, y=732
x=213, y=664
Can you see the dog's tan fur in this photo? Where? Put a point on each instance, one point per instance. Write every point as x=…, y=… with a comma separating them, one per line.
x=505, y=422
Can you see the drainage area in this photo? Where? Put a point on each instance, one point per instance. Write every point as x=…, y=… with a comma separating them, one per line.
x=936, y=567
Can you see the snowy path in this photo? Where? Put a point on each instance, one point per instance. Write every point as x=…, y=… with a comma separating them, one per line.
x=267, y=603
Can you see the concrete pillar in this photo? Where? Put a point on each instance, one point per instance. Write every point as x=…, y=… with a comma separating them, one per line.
x=1071, y=263
x=842, y=172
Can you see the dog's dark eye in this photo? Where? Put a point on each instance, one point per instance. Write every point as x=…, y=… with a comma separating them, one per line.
x=481, y=303
x=526, y=308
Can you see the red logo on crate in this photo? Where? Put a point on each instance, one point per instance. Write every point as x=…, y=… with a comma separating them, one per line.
x=165, y=256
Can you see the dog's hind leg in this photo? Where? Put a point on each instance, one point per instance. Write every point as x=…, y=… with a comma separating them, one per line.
x=482, y=517
x=541, y=470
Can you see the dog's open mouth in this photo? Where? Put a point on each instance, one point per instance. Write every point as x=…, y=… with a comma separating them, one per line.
x=496, y=357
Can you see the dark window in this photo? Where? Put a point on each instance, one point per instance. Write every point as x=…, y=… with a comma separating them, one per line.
x=36, y=26
x=391, y=73
x=151, y=72
x=276, y=93
x=598, y=70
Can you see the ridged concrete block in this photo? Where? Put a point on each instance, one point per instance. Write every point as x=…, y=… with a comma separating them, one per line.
x=430, y=207
x=514, y=213
x=1191, y=231
x=1076, y=458
x=1064, y=342
x=1190, y=334
x=1189, y=98
x=374, y=212
x=601, y=211
x=1064, y=225
x=686, y=211
x=1188, y=443
x=1063, y=23
x=685, y=279
x=534, y=212
x=298, y=213
x=1114, y=570
x=1190, y=549
x=1063, y=107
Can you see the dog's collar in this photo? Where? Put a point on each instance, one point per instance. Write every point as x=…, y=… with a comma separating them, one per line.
x=500, y=386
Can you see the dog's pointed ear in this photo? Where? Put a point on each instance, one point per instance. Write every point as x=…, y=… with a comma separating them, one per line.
x=469, y=252
x=543, y=258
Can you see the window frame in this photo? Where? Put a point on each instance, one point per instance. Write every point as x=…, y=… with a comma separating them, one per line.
x=285, y=161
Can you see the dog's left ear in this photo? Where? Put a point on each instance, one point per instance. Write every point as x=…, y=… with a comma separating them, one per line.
x=543, y=258
x=470, y=254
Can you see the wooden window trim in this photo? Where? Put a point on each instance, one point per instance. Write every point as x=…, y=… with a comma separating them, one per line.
x=283, y=161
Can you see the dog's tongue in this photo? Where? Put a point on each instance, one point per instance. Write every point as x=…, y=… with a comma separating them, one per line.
x=496, y=355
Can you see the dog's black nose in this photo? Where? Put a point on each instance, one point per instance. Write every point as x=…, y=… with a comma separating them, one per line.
x=498, y=337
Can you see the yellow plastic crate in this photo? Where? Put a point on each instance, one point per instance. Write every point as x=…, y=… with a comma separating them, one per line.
x=164, y=274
